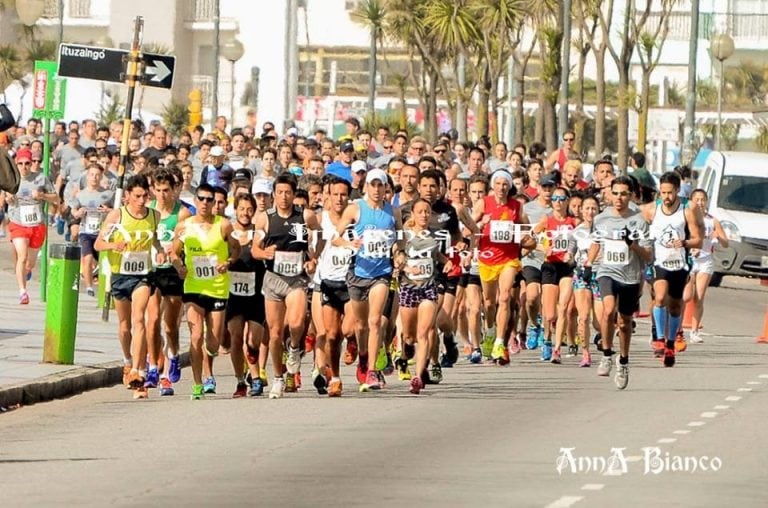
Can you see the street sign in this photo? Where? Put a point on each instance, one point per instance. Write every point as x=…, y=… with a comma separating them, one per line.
x=106, y=64
x=50, y=91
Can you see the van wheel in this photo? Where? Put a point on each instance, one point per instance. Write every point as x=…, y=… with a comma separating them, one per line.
x=716, y=280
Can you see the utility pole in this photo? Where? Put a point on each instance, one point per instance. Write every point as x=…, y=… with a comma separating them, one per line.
x=461, y=116
x=562, y=123
x=689, y=143
x=511, y=96
x=216, y=30
x=291, y=56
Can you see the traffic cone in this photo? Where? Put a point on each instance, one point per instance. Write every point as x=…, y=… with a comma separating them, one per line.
x=688, y=315
x=763, y=338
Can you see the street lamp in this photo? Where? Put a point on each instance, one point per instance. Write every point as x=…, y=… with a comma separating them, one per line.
x=721, y=48
x=232, y=50
x=29, y=11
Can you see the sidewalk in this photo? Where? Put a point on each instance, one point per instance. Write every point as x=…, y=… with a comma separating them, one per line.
x=24, y=379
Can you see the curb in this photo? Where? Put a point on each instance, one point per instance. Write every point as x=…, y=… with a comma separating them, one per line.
x=66, y=384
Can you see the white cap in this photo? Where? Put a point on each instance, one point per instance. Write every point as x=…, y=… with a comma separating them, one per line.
x=359, y=166
x=217, y=151
x=293, y=131
x=376, y=174
x=261, y=186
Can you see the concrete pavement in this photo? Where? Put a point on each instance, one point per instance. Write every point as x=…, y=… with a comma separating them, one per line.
x=487, y=436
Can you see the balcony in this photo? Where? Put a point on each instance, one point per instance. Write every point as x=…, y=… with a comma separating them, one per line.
x=748, y=27
x=72, y=9
x=680, y=25
x=205, y=84
x=199, y=15
x=77, y=13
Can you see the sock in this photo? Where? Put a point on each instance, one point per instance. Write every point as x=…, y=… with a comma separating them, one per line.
x=654, y=334
x=623, y=360
x=674, y=326
x=660, y=316
x=152, y=367
x=127, y=361
x=335, y=378
x=608, y=352
x=240, y=379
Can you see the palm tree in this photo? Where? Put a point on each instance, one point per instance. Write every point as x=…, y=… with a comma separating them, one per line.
x=371, y=14
x=11, y=68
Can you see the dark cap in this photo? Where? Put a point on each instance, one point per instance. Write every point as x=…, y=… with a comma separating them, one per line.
x=242, y=174
x=311, y=142
x=548, y=181
x=347, y=146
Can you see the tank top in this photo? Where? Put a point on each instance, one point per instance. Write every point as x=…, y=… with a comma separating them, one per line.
x=581, y=242
x=334, y=261
x=289, y=234
x=422, y=257
x=166, y=228
x=562, y=158
x=139, y=234
x=664, y=230
x=242, y=273
x=707, y=245
x=203, y=251
x=558, y=235
x=376, y=228
x=497, y=243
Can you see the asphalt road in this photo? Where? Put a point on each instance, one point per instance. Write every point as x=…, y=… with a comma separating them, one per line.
x=487, y=436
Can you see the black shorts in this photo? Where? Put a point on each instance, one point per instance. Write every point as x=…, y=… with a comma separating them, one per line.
x=123, y=286
x=86, y=245
x=518, y=280
x=553, y=273
x=207, y=303
x=334, y=294
x=676, y=281
x=251, y=308
x=359, y=287
x=168, y=282
x=531, y=275
x=627, y=295
x=390, y=304
x=470, y=279
x=447, y=284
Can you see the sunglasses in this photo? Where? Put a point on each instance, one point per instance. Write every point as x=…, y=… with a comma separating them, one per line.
x=559, y=198
x=206, y=199
x=623, y=194
x=387, y=147
x=439, y=151
x=568, y=139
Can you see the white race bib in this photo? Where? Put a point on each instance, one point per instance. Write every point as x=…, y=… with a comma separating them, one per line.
x=340, y=258
x=560, y=242
x=205, y=266
x=134, y=263
x=502, y=231
x=242, y=283
x=92, y=223
x=375, y=244
x=615, y=253
x=425, y=268
x=289, y=264
x=670, y=259
x=30, y=215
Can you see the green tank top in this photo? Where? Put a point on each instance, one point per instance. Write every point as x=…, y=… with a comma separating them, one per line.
x=165, y=228
x=203, y=251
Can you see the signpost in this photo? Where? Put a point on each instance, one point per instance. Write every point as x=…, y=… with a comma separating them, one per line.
x=49, y=99
x=106, y=64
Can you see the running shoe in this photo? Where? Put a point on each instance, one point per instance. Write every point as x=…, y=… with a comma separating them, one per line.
x=293, y=362
x=680, y=344
x=452, y=352
x=556, y=357
x=263, y=376
x=504, y=360
x=60, y=225
x=371, y=382
x=586, y=359
x=695, y=338
x=515, y=345
x=436, y=376
x=532, y=341
x=309, y=343
x=153, y=378
x=416, y=385
x=135, y=380
x=658, y=348
x=29, y=275
x=604, y=369
x=540, y=338
x=488, y=340
x=350, y=353
x=166, y=387
x=402, y=369
x=174, y=369
x=278, y=388
x=90, y=292
x=320, y=382
x=209, y=384
x=334, y=388
x=497, y=353
x=197, y=392
x=445, y=362
x=546, y=352
x=669, y=357
x=389, y=368
x=573, y=351
x=290, y=383
x=622, y=375
x=476, y=357
x=241, y=390
x=362, y=369
x=381, y=359
x=251, y=355
x=597, y=340
x=24, y=298
x=141, y=393
x=382, y=379
x=257, y=387
x=127, y=376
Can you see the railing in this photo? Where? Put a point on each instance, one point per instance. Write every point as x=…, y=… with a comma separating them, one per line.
x=74, y=8
x=200, y=10
x=51, y=9
x=205, y=84
x=679, y=24
x=748, y=26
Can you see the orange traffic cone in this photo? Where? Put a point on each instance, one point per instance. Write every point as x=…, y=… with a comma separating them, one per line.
x=763, y=338
x=688, y=315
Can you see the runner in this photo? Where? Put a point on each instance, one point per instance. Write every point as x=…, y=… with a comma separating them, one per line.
x=209, y=249
x=128, y=234
x=624, y=244
x=282, y=240
x=676, y=226
x=478, y=188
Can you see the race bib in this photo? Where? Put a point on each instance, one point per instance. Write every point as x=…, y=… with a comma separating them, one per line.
x=242, y=283
x=424, y=269
x=30, y=215
x=289, y=264
x=205, y=266
x=339, y=260
x=560, y=243
x=502, y=231
x=134, y=263
x=615, y=253
x=671, y=259
x=92, y=223
x=375, y=244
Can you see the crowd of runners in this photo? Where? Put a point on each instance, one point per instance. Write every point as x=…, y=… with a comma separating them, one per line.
x=396, y=254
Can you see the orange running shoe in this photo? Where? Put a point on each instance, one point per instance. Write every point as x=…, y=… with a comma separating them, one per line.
x=334, y=388
x=350, y=354
x=309, y=343
x=135, y=380
x=680, y=344
x=127, y=376
x=140, y=393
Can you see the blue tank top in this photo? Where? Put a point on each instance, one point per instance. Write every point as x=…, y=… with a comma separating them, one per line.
x=376, y=228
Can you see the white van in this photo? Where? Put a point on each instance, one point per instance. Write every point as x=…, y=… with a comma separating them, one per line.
x=737, y=186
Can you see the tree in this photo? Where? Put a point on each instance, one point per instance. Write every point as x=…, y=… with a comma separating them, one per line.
x=546, y=16
x=591, y=8
x=587, y=23
x=371, y=14
x=11, y=68
x=176, y=117
x=111, y=111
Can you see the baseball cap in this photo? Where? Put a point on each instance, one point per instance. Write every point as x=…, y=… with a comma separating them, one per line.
x=376, y=174
x=242, y=174
x=311, y=142
x=359, y=166
x=261, y=186
x=347, y=146
x=217, y=151
x=293, y=131
x=548, y=181
x=24, y=153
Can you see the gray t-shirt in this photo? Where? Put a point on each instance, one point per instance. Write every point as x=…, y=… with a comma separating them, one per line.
x=91, y=200
x=535, y=211
x=617, y=260
x=72, y=171
x=422, y=256
x=26, y=210
x=67, y=154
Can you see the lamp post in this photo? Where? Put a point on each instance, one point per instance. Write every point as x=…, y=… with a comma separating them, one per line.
x=721, y=48
x=232, y=50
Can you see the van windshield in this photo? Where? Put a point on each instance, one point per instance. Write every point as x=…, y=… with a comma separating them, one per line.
x=744, y=193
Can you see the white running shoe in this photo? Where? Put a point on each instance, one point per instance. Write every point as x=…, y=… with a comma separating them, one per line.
x=622, y=375
x=278, y=388
x=695, y=338
x=604, y=369
x=293, y=363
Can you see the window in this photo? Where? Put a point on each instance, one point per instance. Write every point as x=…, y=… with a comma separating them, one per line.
x=744, y=193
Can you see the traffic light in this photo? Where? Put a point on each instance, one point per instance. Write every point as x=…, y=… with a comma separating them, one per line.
x=195, y=108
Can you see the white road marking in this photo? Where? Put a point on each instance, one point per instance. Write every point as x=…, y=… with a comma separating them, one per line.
x=733, y=398
x=709, y=414
x=565, y=502
x=696, y=424
x=593, y=486
x=667, y=440
x=754, y=383
x=682, y=432
x=763, y=376
x=722, y=408
x=744, y=390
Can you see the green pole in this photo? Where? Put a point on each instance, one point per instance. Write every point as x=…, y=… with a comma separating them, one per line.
x=61, y=310
x=46, y=172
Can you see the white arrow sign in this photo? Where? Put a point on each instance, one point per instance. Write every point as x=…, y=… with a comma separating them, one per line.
x=159, y=71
